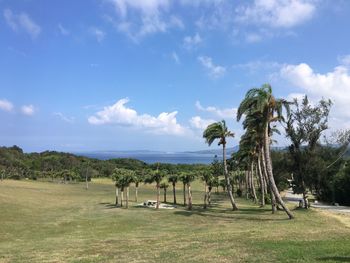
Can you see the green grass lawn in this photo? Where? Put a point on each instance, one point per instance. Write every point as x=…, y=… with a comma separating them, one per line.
x=49, y=222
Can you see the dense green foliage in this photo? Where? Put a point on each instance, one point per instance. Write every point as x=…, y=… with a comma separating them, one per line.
x=14, y=164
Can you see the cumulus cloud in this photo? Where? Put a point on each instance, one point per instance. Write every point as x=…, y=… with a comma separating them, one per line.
x=334, y=85
x=64, y=118
x=276, y=13
x=6, y=105
x=97, y=33
x=138, y=18
x=120, y=114
x=221, y=113
x=21, y=22
x=191, y=42
x=215, y=71
x=201, y=124
x=28, y=110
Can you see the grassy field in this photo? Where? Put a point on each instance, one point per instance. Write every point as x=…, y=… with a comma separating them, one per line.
x=49, y=222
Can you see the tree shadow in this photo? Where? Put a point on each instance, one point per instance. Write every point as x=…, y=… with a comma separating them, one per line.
x=229, y=215
x=335, y=258
x=109, y=205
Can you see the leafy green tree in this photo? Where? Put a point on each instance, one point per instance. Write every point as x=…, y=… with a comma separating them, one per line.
x=219, y=131
x=304, y=128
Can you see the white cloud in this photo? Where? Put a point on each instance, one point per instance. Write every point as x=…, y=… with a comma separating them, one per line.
x=118, y=113
x=192, y=42
x=175, y=57
x=6, y=105
x=201, y=124
x=215, y=71
x=28, y=110
x=21, y=21
x=63, y=30
x=276, y=13
x=334, y=85
x=221, y=113
x=97, y=33
x=64, y=118
x=138, y=18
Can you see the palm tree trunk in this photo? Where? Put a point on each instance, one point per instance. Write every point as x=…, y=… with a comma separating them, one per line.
x=270, y=173
x=86, y=180
x=174, y=193
x=127, y=197
x=272, y=196
x=136, y=192
x=262, y=185
x=189, y=196
x=209, y=195
x=205, y=196
x=252, y=182
x=229, y=188
x=158, y=195
x=122, y=197
x=247, y=186
x=164, y=195
x=116, y=196
x=184, y=192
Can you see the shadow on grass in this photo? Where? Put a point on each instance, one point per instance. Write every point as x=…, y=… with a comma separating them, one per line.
x=109, y=205
x=228, y=214
x=334, y=258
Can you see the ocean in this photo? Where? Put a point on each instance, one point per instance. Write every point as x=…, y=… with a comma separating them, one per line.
x=173, y=158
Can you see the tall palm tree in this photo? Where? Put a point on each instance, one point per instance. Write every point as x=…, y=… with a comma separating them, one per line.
x=219, y=131
x=208, y=179
x=262, y=101
x=164, y=186
x=173, y=180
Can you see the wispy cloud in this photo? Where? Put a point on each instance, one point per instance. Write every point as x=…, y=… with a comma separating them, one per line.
x=276, y=13
x=97, y=33
x=190, y=42
x=6, y=105
x=64, y=31
x=22, y=22
x=28, y=110
x=221, y=113
x=138, y=19
x=175, y=57
x=215, y=71
x=120, y=114
x=64, y=118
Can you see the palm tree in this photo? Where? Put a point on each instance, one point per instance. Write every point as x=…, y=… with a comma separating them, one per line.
x=164, y=186
x=173, y=180
x=219, y=130
x=188, y=178
x=138, y=178
x=183, y=179
x=208, y=179
x=156, y=176
x=262, y=101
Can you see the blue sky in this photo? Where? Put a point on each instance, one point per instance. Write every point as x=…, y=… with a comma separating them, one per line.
x=151, y=74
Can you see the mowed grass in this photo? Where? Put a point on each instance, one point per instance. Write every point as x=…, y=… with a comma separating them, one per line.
x=50, y=222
